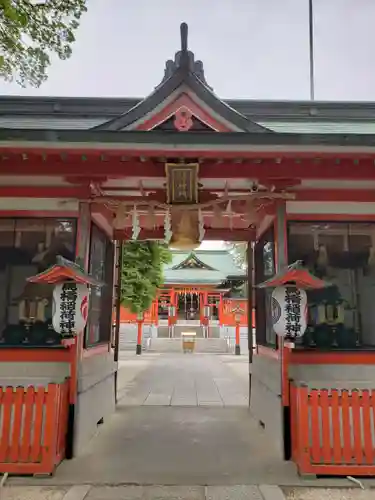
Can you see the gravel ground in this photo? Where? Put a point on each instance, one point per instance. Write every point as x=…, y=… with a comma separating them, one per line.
x=329, y=494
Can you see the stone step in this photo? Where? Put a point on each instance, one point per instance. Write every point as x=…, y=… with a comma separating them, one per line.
x=211, y=345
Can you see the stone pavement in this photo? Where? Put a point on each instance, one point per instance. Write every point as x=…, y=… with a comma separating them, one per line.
x=236, y=492
x=189, y=380
x=86, y=492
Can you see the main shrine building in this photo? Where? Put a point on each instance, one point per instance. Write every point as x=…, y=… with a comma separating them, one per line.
x=293, y=180
x=207, y=288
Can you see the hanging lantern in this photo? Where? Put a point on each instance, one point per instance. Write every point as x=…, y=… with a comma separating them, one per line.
x=289, y=311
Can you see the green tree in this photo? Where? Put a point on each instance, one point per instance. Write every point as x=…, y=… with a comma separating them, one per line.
x=142, y=273
x=31, y=31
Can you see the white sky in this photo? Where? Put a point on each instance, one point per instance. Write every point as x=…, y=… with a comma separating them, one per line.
x=250, y=48
x=212, y=245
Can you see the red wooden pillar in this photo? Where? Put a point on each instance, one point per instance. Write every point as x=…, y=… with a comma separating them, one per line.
x=172, y=307
x=200, y=295
x=237, y=349
x=139, y=334
x=156, y=311
x=220, y=312
x=173, y=297
x=206, y=320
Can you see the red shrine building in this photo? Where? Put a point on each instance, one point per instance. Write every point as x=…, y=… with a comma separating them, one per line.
x=294, y=180
x=208, y=293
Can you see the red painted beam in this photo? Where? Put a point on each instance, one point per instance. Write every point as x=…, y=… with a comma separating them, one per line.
x=304, y=169
x=264, y=170
x=210, y=234
x=92, y=170
x=158, y=195
x=79, y=192
x=360, y=195
x=205, y=151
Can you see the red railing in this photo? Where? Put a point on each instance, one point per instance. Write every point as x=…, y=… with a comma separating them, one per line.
x=333, y=431
x=33, y=427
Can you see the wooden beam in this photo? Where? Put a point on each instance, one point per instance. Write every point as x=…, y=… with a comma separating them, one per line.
x=83, y=192
x=261, y=169
x=104, y=153
x=91, y=169
x=360, y=195
x=75, y=192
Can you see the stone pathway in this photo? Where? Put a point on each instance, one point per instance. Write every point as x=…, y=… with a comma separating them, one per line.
x=189, y=380
x=85, y=492
x=235, y=492
x=329, y=494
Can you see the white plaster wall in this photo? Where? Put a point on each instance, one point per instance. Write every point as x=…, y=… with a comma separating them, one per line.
x=334, y=376
x=266, y=404
x=96, y=397
x=32, y=373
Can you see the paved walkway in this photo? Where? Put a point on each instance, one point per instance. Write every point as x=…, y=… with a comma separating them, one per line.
x=183, y=420
x=189, y=380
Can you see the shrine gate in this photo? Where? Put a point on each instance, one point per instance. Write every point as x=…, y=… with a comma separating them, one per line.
x=293, y=180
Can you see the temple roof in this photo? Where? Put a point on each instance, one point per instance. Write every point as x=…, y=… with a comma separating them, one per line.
x=211, y=267
x=83, y=113
x=183, y=76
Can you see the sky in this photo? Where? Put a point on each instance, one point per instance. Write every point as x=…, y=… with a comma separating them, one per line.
x=254, y=49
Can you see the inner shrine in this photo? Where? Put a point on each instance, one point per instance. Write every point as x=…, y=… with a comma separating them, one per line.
x=202, y=290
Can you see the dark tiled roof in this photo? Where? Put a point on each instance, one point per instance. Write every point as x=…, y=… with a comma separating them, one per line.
x=183, y=71
x=217, y=266
x=208, y=139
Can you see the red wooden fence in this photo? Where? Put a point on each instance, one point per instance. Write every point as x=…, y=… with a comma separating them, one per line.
x=33, y=426
x=333, y=431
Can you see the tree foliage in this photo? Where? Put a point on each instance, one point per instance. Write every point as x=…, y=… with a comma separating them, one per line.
x=31, y=31
x=142, y=273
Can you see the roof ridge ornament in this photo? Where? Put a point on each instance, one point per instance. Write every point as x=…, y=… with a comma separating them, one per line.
x=184, y=32
x=184, y=59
